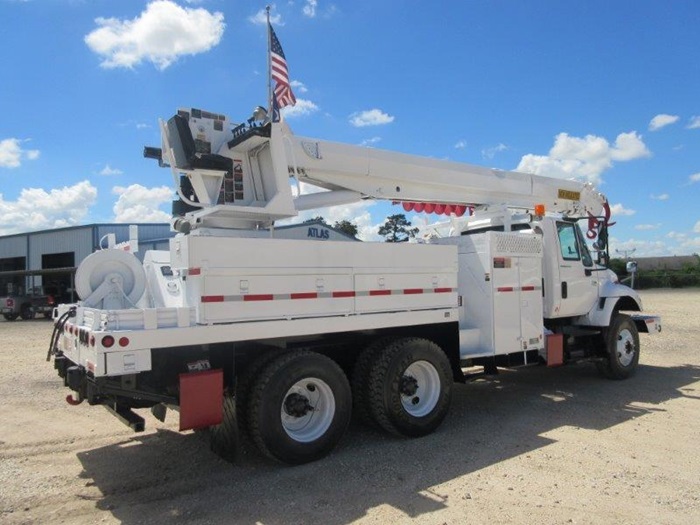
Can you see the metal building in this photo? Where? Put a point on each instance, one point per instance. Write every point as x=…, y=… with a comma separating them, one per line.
x=45, y=261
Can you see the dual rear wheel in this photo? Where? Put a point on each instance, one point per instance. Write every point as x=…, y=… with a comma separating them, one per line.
x=296, y=406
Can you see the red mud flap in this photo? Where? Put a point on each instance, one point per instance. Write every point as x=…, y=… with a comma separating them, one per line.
x=555, y=349
x=201, y=399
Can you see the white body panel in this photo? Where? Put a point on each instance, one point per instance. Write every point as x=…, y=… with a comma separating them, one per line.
x=500, y=282
x=236, y=289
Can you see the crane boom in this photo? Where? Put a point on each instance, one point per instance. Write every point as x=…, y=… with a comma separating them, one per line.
x=238, y=176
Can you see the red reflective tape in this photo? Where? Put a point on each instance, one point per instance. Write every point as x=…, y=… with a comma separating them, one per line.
x=194, y=271
x=304, y=295
x=649, y=321
x=259, y=297
x=379, y=292
x=337, y=295
x=528, y=288
x=212, y=298
x=505, y=289
x=443, y=290
x=411, y=291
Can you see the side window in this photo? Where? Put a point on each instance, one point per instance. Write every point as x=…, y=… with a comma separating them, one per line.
x=586, y=258
x=567, y=241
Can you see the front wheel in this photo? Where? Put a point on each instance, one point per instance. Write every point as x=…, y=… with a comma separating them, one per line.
x=10, y=317
x=410, y=387
x=299, y=407
x=622, y=348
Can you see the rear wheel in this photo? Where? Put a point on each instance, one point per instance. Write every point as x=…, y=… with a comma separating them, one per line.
x=10, y=317
x=622, y=349
x=299, y=407
x=360, y=379
x=27, y=312
x=410, y=387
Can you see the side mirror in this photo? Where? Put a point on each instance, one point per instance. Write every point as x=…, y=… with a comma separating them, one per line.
x=602, y=259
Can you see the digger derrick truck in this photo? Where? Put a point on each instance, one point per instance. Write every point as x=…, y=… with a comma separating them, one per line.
x=285, y=339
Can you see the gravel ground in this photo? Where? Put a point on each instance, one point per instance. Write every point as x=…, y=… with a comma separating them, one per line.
x=531, y=445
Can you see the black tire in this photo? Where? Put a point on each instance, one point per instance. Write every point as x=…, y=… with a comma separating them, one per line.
x=224, y=438
x=410, y=404
x=299, y=408
x=10, y=317
x=27, y=312
x=360, y=379
x=244, y=383
x=621, y=341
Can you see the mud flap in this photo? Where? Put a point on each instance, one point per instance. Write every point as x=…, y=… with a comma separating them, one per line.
x=201, y=399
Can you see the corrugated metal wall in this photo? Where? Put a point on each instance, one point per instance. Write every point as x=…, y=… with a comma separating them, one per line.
x=81, y=240
x=13, y=246
x=76, y=240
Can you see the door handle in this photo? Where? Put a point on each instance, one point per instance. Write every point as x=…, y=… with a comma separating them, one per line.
x=564, y=290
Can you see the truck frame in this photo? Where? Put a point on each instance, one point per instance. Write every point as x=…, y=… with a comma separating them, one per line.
x=286, y=339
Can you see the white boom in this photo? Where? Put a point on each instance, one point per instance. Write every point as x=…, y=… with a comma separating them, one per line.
x=259, y=159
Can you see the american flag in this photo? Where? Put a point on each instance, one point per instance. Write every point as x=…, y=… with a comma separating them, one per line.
x=283, y=91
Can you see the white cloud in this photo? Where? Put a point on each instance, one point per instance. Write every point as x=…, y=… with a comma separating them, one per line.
x=691, y=246
x=299, y=87
x=661, y=197
x=137, y=203
x=370, y=142
x=108, y=170
x=310, y=8
x=695, y=177
x=584, y=158
x=358, y=213
x=370, y=117
x=641, y=248
x=160, y=34
x=677, y=236
x=662, y=120
x=647, y=227
x=142, y=125
x=300, y=109
x=696, y=228
x=694, y=122
x=490, y=153
x=461, y=144
x=11, y=153
x=619, y=209
x=260, y=18
x=37, y=209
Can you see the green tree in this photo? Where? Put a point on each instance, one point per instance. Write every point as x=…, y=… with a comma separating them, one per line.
x=347, y=227
x=397, y=229
x=318, y=218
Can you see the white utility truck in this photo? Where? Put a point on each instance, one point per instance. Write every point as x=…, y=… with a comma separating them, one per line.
x=233, y=327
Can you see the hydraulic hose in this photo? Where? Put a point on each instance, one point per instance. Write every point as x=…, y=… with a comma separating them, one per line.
x=58, y=330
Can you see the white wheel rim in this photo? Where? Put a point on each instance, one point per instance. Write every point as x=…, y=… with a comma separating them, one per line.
x=420, y=390
x=308, y=424
x=625, y=347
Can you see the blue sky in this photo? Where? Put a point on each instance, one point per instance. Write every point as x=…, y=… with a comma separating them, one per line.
x=596, y=90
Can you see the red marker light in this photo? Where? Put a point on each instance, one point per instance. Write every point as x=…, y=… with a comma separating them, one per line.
x=123, y=341
x=108, y=341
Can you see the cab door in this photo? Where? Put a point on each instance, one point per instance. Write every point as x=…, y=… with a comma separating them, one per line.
x=578, y=284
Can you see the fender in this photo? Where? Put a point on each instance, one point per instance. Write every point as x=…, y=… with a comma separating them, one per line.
x=613, y=297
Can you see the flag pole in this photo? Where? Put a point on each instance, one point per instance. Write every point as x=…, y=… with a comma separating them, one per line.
x=270, y=107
